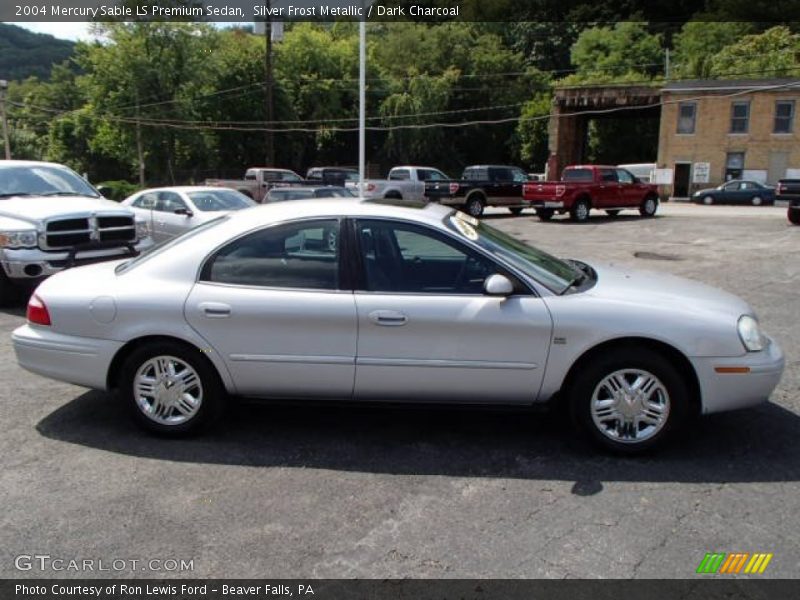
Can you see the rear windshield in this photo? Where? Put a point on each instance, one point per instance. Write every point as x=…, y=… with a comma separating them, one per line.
x=577, y=175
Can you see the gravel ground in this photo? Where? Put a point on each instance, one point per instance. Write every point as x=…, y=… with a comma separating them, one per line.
x=282, y=491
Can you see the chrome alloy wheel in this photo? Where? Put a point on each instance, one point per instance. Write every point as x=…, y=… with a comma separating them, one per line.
x=168, y=390
x=582, y=211
x=630, y=406
x=650, y=206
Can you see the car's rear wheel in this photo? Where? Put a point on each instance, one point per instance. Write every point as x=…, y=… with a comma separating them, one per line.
x=544, y=214
x=474, y=206
x=580, y=210
x=515, y=210
x=756, y=201
x=708, y=200
x=612, y=213
x=629, y=400
x=649, y=207
x=171, y=388
x=793, y=214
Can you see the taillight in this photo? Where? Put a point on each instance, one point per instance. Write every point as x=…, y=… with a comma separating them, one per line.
x=560, y=189
x=453, y=188
x=37, y=311
x=780, y=188
x=370, y=187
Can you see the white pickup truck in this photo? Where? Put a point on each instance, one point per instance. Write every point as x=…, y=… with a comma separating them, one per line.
x=52, y=219
x=402, y=183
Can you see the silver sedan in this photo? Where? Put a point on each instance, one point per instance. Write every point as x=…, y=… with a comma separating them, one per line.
x=348, y=299
x=171, y=211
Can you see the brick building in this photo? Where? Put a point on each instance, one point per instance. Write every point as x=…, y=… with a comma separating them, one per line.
x=715, y=130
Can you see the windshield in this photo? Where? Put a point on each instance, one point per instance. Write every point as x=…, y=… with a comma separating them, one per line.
x=213, y=200
x=553, y=273
x=167, y=244
x=42, y=180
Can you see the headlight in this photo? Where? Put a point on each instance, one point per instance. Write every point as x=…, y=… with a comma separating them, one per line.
x=18, y=239
x=142, y=230
x=750, y=334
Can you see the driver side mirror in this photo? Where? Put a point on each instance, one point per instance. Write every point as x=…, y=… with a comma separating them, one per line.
x=498, y=285
x=184, y=211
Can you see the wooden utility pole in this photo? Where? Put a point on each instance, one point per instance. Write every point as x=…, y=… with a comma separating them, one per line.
x=139, y=149
x=268, y=84
x=3, y=116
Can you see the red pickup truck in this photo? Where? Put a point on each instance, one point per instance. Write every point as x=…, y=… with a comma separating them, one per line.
x=584, y=187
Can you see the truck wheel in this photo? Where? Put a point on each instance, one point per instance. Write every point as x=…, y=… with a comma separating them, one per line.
x=474, y=206
x=649, y=207
x=544, y=214
x=10, y=294
x=580, y=211
x=630, y=400
x=612, y=213
x=515, y=210
x=793, y=214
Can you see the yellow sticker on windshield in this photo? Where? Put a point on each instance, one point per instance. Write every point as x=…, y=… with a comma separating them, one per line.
x=464, y=227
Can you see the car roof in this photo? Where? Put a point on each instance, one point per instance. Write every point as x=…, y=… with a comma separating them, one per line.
x=186, y=188
x=264, y=214
x=30, y=163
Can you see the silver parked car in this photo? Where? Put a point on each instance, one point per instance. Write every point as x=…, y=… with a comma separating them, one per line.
x=171, y=211
x=371, y=301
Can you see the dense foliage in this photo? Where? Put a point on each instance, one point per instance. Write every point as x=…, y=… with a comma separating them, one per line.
x=191, y=96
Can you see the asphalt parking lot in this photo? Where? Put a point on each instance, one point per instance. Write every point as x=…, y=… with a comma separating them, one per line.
x=282, y=491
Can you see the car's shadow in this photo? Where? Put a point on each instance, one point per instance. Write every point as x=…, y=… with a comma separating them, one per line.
x=753, y=445
x=594, y=219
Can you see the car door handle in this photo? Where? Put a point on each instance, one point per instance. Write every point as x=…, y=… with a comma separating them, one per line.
x=215, y=310
x=388, y=318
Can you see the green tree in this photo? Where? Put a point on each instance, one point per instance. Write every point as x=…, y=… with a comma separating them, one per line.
x=699, y=41
x=774, y=53
x=625, y=51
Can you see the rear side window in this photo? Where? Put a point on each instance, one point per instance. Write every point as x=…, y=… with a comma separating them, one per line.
x=296, y=256
x=577, y=175
x=475, y=174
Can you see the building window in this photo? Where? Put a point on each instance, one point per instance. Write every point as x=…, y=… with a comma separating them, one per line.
x=734, y=165
x=784, y=116
x=687, y=111
x=740, y=115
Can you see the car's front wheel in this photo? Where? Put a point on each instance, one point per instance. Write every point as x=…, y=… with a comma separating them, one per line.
x=171, y=388
x=630, y=400
x=649, y=207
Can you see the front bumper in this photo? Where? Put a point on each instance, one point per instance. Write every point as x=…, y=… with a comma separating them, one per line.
x=73, y=359
x=33, y=263
x=723, y=391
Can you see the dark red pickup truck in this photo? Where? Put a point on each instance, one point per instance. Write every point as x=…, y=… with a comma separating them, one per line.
x=584, y=187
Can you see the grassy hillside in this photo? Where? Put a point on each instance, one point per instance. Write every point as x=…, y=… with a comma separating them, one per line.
x=24, y=53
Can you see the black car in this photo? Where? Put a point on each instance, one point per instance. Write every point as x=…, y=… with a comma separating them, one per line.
x=737, y=191
x=336, y=176
x=307, y=192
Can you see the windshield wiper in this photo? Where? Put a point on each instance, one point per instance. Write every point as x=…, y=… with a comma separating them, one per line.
x=12, y=194
x=68, y=194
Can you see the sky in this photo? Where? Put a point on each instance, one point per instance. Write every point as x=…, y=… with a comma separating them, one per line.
x=67, y=31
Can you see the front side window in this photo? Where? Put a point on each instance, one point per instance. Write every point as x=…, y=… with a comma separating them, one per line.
x=406, y=258
x=624, y=176
x=740, y=116
x=146, y=201
x=519, y=175
x=298, y=256
x=784, y=116
x=608, y=175
x=687, y=113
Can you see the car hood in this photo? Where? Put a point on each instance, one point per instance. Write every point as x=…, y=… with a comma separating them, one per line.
x=705, y=191
x=38, y=208
x=664, y=291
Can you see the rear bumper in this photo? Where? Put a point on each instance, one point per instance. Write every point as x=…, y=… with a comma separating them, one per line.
x=72, y=359
x=546, y=203
x=723, y=391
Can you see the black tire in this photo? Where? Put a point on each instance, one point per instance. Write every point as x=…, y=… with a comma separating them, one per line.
x=708, y=200
x=793, y=214
x=515, y=210
x=212, y=392
x=649, y=207
x=10, y=294
x=544, y=214
x=613, y=213
x=474, y=205
x=580, y=210
x=590, y=380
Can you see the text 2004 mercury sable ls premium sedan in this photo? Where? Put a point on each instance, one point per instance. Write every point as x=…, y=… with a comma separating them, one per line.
x=369, y=301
